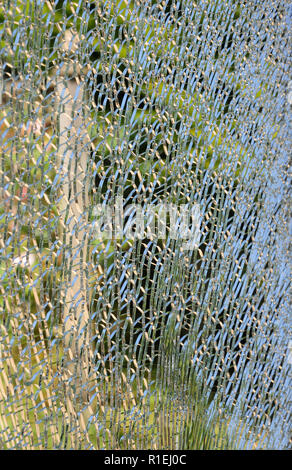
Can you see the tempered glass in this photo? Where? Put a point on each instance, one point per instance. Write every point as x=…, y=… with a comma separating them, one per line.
x=144, y=224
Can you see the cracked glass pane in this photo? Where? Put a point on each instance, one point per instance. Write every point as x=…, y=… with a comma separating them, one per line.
x=145, y=224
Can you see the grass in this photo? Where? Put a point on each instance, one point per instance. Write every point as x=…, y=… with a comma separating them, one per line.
x=34, y=415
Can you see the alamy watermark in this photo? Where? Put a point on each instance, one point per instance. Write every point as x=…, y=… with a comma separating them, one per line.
x=160, y=221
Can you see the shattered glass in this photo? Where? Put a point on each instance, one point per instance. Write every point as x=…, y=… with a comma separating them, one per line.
x=117, y=338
